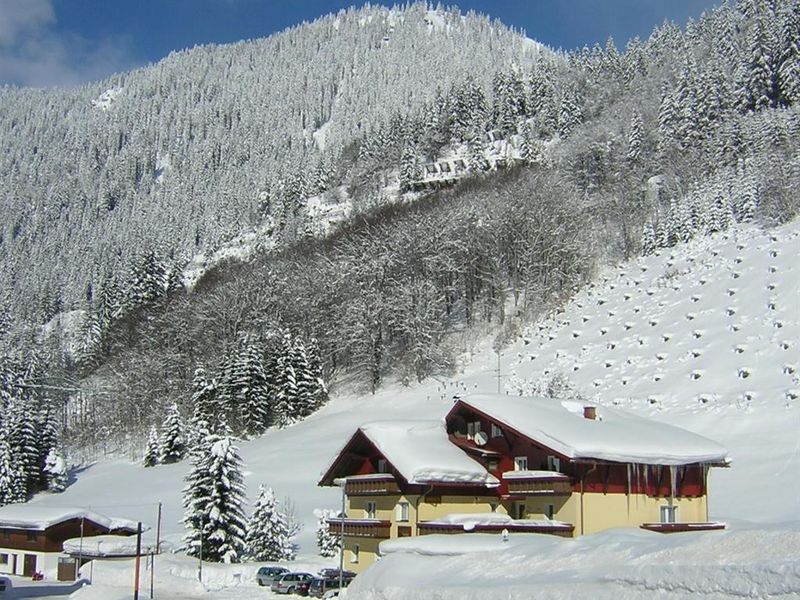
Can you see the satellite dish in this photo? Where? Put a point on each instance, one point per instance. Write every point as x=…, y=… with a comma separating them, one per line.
x=481, y=438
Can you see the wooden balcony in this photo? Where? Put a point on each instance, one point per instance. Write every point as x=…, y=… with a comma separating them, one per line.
x=537, y=483
x=365, y=528
x=682, y=527
x=381, y=484
x=554, y=528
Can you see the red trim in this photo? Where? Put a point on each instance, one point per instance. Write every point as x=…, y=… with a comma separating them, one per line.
x=682, y=527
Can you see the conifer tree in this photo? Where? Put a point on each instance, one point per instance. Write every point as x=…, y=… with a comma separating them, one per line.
x=635, y=138
x=213, y=501
x=151, y=453
x=250, y=389
x=268, y=535
x=172, y=444
x=55, y=470
x=12, y=477
x=328, y=541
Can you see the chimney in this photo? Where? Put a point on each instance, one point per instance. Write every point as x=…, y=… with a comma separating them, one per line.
x=590, y=412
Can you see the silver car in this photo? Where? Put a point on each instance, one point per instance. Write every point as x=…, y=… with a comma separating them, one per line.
x=292, y=583
x=267, y=575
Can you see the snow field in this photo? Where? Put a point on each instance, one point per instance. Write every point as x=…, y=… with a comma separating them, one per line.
x=696, y=384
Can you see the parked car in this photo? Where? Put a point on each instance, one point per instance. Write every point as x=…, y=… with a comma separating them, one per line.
x=320, y=585
x=292, y=583
x=267, y=575
x=331, y=573
x=5, y=587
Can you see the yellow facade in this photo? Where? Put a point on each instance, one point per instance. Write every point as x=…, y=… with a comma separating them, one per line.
x=588, y=512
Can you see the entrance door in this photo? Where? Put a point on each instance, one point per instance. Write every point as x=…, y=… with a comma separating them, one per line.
x=67, y=568
x=29, y=567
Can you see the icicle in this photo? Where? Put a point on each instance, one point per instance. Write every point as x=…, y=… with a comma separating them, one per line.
x=673, y=476
x=646, y=479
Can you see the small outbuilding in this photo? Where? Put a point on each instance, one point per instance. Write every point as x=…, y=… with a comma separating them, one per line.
x=32, y=538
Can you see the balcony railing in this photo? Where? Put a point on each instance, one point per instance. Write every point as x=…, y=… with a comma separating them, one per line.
x=681, y=527
x=552, y=528
x=371, y=485
x=365, y=528
x=537, y=483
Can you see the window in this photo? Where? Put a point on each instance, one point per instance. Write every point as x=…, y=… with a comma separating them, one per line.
x=521, y=510
x=370, y=507
x=354, y=554
x=473, y=427
x=382, y=466
x=3, y=559
x=669, y=514
x=553, y=463
x=402, y=511
x=520, y=463
x=493, y=464
x=496, y=431
x=549, y=511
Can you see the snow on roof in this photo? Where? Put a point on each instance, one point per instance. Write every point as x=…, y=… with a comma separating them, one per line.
x=26, y=516
x=615, y=435
x=110, y=545
x=422, y=453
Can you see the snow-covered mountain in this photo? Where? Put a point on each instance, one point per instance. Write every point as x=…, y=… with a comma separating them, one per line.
x=702, y=336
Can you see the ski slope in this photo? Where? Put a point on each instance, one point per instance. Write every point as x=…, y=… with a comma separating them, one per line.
x=705, y=336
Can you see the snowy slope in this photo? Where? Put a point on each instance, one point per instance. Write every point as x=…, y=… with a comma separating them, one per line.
x=667, y=336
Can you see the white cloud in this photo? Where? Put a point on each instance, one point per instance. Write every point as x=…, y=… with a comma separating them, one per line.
x=18, y=17
x=33, y=53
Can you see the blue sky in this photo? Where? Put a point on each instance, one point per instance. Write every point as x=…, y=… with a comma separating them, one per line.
x=67, y=42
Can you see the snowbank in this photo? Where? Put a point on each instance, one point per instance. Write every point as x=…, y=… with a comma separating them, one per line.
x=630, y=564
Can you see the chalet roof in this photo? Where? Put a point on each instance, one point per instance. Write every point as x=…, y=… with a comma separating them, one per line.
x=39, y=518
x=422, y=453
x=615, y=435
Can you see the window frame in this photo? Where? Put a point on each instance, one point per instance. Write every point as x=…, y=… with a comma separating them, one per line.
x=402, y=512
x=520, y=463
x=371, y=504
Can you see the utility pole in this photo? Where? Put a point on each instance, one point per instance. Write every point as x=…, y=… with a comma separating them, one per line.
x=80, y=552
x=138, y=560
x=498, y=370
x=157, y=551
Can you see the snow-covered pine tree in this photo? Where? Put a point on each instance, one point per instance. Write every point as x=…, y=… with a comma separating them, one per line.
x=477, y=153
x=249, y=386
x=172, y=444
x=409, y=169
x=648, y=241
x=12, y=477
x=328, y=542
x=151, y=453
x=213, y=501
x=635, y=138
x=268, y=536
x=23, y=440
x=55, y=470
x=205, y=407
x=284, y=383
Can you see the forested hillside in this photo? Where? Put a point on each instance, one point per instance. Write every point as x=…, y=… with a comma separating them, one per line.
x=182, y=155
x=616, y=153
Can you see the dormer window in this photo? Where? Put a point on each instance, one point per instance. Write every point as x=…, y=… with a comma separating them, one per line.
x=554, y=464
x=520, y=463
x=383, y=467
x=473, y=427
